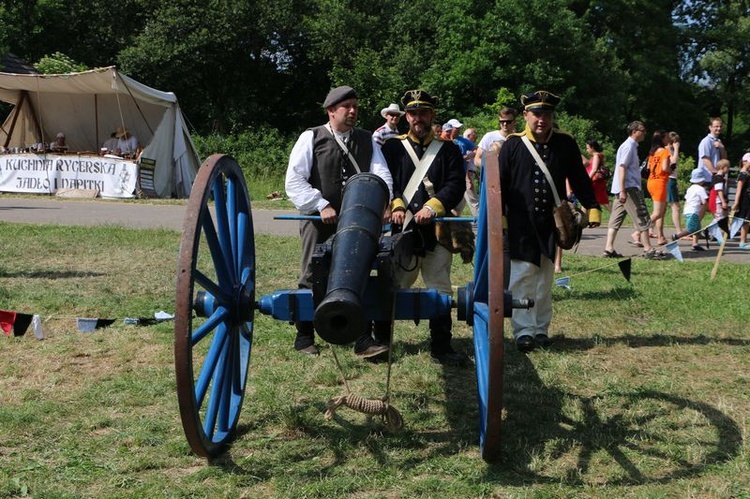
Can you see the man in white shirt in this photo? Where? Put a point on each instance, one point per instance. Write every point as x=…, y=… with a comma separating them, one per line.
x=711, y=150
x=59, y=144
x=626, y=186
x=127, y=143
x=322, y=160
x=506, y=125
x=392, y=115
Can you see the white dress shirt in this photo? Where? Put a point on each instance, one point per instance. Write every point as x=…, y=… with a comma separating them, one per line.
x=305, y=197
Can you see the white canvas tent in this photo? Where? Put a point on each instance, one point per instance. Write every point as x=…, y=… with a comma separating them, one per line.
x=89, y=106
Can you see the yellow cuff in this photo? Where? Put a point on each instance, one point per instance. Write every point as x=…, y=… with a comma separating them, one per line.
x=595, y=216
x=505, y=223
x=437, y=206
x=398, y=204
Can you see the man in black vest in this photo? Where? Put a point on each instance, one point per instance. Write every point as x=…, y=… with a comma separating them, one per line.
x=438, y=187
x=321, y=162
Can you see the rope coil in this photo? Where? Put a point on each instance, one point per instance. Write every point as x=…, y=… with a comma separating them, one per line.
x=392, y=419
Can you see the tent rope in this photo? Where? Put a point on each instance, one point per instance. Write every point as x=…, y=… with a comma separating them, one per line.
x=119, y=105
x=135, y=102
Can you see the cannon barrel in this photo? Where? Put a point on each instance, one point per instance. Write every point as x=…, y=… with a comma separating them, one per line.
x=340, y=317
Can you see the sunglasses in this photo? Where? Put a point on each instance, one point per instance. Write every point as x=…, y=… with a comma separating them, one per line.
x=505, y=122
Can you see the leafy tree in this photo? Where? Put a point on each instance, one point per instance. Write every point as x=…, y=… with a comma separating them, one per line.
x=58, y=63
x=237, y=66
x=717, y=54
x=91, y=31
x=232, y=65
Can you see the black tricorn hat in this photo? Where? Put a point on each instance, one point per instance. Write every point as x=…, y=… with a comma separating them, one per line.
x=541, y=100
x=339, y=94
x=418, y=99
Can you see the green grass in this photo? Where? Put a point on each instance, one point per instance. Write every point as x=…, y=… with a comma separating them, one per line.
x=646, y=392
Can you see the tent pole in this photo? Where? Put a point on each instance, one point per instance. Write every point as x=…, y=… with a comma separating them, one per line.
x=135, y=101
x=96, y=121
x=16, y=111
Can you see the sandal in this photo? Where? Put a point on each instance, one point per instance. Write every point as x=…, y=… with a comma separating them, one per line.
x=611, y=254
x=661, y=242
x=636, y=243
x=652, y=254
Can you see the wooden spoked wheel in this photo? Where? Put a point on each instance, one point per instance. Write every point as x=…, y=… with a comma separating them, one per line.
x=214, y=306
x=488, y=310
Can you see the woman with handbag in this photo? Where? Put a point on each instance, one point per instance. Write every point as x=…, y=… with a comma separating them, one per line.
x=598, y=173
x=673, y=193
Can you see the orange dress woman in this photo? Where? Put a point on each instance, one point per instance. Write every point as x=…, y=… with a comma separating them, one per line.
x=658, y=164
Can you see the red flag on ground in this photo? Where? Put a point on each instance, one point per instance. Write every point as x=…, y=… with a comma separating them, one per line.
x=14, y=321
x=7, y=318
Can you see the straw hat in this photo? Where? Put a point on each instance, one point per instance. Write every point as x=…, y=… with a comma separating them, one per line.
x=392, y=109
x=121, y=132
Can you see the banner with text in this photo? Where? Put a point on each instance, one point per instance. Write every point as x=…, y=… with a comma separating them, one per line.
x=47, y=173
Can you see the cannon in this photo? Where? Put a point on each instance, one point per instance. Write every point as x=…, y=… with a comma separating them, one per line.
x=339, y=317
x=216, y=298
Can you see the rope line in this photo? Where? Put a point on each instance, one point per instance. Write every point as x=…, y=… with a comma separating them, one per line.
x=390, y=416
x=392, y=419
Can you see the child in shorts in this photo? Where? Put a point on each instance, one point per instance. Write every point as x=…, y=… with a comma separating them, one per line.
x=695, y=202
x=717, y=199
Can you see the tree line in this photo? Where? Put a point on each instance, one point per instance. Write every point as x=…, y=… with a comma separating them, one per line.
x=267, y=64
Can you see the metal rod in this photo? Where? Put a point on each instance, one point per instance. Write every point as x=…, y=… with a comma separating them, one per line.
x=317, y=217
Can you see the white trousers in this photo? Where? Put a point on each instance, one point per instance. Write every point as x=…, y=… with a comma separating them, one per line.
x=529, y=281
x=435, y=267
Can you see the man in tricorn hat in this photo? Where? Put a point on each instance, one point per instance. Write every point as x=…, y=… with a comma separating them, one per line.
x=438, y=167
x=528, y=204
x=322, y=160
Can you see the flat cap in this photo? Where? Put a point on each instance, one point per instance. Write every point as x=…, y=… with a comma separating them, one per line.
x=339, y=94
x=541, y=100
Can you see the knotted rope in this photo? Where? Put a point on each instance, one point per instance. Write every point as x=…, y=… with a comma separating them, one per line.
x=390, y=416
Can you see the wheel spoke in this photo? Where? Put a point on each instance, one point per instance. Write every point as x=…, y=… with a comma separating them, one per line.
x=219, y=295
x=228, y=388
x=216, y=318
x=218, y=257
x=222, y=226
x=217, y=387
x=480, y=259
x=209, y=364
x=241, y=263
x=232, y=225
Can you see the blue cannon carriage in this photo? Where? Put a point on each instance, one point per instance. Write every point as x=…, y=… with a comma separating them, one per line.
x=216, y=297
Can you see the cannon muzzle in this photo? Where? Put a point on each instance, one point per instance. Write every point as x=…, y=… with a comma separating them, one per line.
x=340, y=316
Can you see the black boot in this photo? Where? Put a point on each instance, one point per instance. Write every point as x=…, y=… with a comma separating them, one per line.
x=367, y=348
x=440, y=342
x=305, y=340
x=381, y=331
